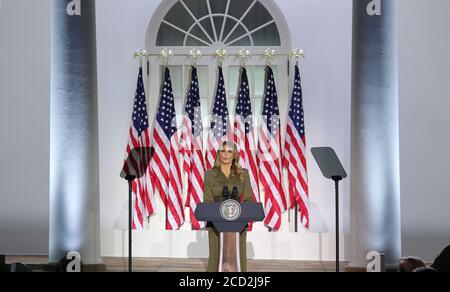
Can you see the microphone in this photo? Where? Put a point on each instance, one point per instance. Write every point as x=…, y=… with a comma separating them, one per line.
x=226, y=193
x=234, y=193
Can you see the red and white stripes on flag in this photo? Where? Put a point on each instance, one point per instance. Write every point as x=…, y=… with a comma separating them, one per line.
x=192, y=143
x=136, y=160
x=244, y=138
x=269, y=154
x=165, y=164
x=294, y=159
x=220, y=129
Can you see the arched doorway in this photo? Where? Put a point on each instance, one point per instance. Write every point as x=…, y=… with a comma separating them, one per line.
x=207, y=25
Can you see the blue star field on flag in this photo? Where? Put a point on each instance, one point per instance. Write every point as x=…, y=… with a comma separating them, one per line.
x=166, y=111
x=192, y=107
x=219, y=119
x=140, y=118
x=244, y=106
x=296, y=112
x=271, y=111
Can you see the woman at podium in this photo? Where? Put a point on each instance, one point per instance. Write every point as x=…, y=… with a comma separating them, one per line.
x=226, y=174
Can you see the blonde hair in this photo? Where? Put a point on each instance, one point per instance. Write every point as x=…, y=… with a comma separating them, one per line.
x=236, y=169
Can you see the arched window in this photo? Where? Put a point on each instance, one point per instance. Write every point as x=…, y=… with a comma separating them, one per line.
x=218, y=23
x=207, y=25
x=231, y=23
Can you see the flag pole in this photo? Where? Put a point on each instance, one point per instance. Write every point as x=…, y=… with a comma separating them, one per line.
x=297, y=54
x=269, y=54
x=140, y=55
x=130, y=179
x=165, y=55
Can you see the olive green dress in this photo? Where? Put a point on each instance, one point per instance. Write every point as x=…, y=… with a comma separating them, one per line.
x=215, y=180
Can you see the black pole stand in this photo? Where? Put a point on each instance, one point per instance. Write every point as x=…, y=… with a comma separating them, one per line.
x=130, y=179
x=331, y=168
x=336, y=185
x=134, y=167
x=296, y=218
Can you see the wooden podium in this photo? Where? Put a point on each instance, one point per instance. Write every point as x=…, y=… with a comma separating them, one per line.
x=229, y=218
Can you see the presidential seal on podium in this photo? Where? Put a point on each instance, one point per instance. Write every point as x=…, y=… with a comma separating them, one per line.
x=230, y=210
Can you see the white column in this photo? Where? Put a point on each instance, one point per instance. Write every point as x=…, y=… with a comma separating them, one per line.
x=74, y=178
x=375, y=187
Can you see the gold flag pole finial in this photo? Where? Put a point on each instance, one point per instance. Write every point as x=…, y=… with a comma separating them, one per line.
x=269, y=55
x=140, y=55
x=195, y=55
x=166, y=54
x=298, y=54
x=221, y=54
x=245, y=55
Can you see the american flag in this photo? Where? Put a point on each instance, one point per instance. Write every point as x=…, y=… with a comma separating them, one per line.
x=139, y=138
x=220, y=130
x=244, y=138
x=294, y=154
x=269, y=153
x=165, y=165
x=192, y=143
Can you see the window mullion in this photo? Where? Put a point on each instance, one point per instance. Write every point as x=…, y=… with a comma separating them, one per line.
x=251, y=32
x=225, y=19
x=240, y=20
x=196, y=21
x=183, y=31
x=212, y=20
